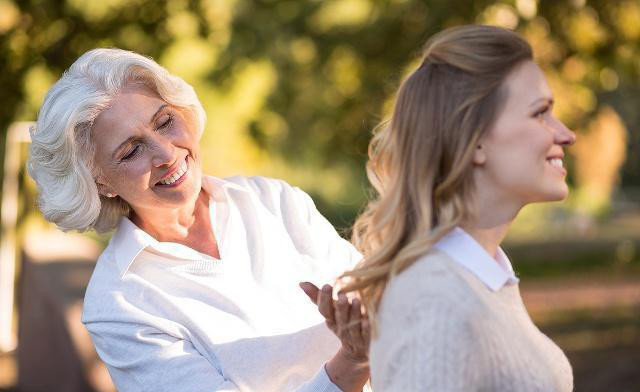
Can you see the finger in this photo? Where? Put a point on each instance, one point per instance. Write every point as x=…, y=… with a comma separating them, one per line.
x=325, y=304
x=355, y=318
x=310, y=290
x=342, y=314
x=366, y=331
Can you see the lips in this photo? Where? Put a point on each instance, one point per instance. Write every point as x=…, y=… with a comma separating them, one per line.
x=174, y=174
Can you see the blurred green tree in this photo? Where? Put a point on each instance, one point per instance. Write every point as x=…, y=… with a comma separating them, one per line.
x=292, y=88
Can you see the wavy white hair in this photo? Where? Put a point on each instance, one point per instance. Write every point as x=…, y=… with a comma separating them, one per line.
x=61, y=159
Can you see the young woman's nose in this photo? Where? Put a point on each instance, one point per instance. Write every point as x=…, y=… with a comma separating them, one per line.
x=163, y=152
x=563, y=135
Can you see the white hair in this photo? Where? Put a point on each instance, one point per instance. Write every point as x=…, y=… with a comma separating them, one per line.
x=61, y=159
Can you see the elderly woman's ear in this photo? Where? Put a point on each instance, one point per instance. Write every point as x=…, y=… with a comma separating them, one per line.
x=105, y=190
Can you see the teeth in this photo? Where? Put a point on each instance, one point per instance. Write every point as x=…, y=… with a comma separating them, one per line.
x=176, y=175
x=556, y=162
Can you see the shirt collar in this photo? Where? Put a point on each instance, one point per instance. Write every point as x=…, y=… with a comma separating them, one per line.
x=129, y=240
x=466, y=251
x=218, y=188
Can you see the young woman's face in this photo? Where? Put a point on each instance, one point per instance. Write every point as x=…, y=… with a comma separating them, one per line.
x=147, y=151
x=521, y=157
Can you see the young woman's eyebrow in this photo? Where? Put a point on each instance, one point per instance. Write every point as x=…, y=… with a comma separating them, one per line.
x=549, y=100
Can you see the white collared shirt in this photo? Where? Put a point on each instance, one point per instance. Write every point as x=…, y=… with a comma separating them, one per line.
x=164, y=317
x=495, y=273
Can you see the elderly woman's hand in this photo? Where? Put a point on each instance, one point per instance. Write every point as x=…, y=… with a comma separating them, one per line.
x=349, y=368
x=345, y=317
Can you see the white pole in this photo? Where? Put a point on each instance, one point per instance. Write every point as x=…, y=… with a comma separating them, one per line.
x=17, y=134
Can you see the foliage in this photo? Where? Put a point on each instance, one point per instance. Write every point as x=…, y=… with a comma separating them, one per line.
x=292, y=88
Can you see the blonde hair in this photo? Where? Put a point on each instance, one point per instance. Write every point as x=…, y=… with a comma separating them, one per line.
x=420, y=160
x=61, y=159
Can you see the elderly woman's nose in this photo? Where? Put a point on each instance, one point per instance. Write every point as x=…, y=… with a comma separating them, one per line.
x=164, y=152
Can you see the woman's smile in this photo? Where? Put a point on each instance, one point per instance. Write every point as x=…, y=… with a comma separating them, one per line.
x=557, y=165
x=175, y=176
x=524, y=149
x=164, y=171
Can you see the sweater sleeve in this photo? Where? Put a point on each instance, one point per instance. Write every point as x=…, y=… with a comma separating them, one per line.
x=337, y=250
x=319, y=383
x=142, y=358
x=311, y=233
x=429, y=348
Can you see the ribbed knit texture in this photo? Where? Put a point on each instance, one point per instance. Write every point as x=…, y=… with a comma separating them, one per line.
x=441, y=329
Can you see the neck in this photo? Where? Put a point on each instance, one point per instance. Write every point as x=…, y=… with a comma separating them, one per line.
x=491, y=216
x=489, y=238
x=176, y=224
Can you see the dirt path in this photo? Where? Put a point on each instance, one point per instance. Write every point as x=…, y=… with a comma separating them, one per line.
x=584, y=293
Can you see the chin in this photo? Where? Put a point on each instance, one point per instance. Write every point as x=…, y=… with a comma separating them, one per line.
x=548, y=192
x=559, y=193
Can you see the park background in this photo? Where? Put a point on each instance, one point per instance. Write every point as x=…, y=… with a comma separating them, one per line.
x=292, y=89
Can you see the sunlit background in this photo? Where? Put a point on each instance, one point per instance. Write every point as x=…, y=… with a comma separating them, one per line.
x=292, y=89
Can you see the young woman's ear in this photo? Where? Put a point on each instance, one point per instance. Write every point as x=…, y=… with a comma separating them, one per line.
x=479, y=155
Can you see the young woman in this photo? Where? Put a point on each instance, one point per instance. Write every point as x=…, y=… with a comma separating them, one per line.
x=472, y=139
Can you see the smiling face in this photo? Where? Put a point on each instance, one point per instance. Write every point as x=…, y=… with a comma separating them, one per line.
x=521, y=157
x=147, y=152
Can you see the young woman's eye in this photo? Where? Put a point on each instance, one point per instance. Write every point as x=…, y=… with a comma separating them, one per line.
x=131, y=154
x=541, y=112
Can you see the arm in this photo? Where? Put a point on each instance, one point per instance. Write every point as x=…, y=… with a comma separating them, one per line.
x=339, y=253
x=142, y=358
x=314, y=236
x=310, y=232
x=321, y=382
x=347, y=374
x=349, y=368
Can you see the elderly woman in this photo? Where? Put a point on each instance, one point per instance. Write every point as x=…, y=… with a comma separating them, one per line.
x=198, y=287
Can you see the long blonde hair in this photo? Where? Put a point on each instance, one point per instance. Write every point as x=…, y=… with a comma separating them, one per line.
x=420, y=160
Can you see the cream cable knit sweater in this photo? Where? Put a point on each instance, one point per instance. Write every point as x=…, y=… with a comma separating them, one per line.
x=441, y=329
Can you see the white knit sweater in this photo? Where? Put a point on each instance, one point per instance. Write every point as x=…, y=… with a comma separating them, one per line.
x=441, y=329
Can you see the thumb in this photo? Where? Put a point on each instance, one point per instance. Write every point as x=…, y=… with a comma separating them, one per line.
x=310, y=290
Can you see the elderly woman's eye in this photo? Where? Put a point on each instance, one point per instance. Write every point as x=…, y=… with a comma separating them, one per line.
x=166, y=123
x=131, y=154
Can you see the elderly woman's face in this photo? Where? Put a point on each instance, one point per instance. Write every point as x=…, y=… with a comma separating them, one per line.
x=147, y=151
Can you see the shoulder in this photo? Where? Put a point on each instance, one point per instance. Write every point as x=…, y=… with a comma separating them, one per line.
x=277, y=195
x=114, y=292
x=432, y=275
x=429, y=306
x=427, y=322
x=261, y=185
x=430, y=284
x=101, y=292
x=116, y=303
